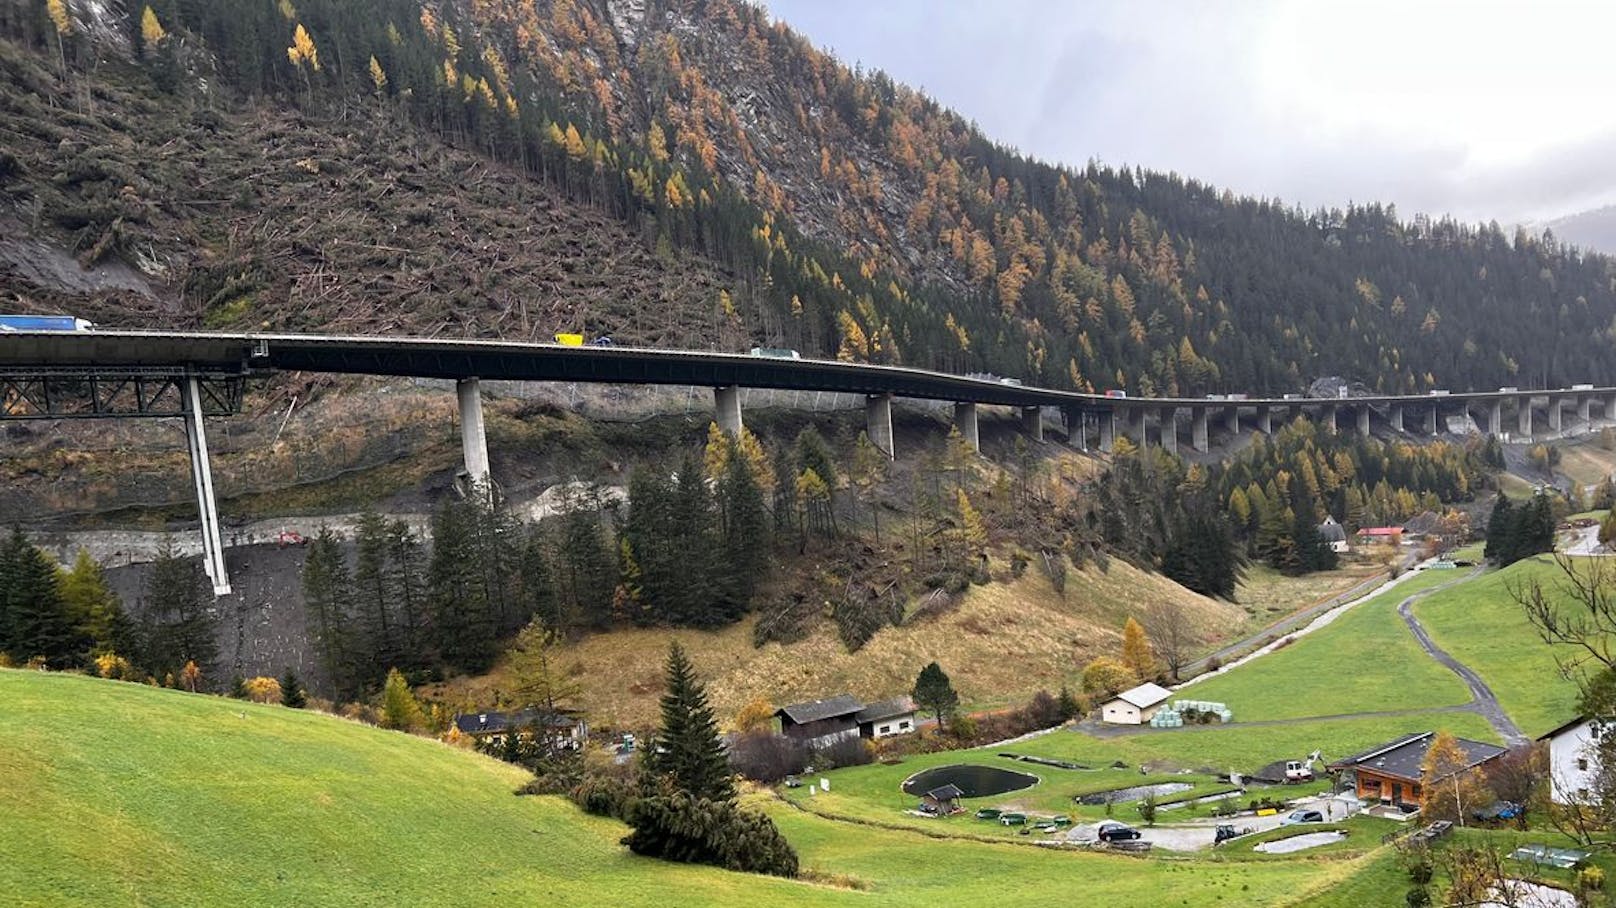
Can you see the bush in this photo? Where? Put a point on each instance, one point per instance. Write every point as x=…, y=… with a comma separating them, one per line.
x=845, y=752
x=963, y=727
x=695, y=831
x=765, y=756
x=1591, y=879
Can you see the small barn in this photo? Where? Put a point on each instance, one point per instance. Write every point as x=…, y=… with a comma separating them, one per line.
x=1390, y=773
x=1135, y=706
x=887, y=718
x=1334, y=534
x=944, y=800
x=562, y=728
x=821, y=723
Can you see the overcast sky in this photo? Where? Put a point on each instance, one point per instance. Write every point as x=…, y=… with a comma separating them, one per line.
x=1479, y=110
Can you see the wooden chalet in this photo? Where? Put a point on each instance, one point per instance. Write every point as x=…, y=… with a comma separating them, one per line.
x=1390, y=773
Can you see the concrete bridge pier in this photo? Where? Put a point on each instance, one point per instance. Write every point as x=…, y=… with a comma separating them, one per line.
x=1431, y=418
x=1167, y=428
x=1396, y=415
x=473, y=435
x=1523, y=416
x=207, y=506
x=1556, y=414
x=1495, y=418
x=1265, y=421
x=1585, y=410
x=1363, y=420
x=1231, y=421
x=1108, y=430
x=878, y=423
x=1198, y=433
x=1077, y=429
x=1032, y=422
x=727, y=404
x=1610, y=408
x=965, y=422
x=1329, y=415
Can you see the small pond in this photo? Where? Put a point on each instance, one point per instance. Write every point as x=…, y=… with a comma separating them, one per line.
x=974, y=781
x=1137, y=792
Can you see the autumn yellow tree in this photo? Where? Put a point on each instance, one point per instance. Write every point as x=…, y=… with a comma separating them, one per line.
x=303, y=53
x=63, y=22
x=378, y=76
x=972, y=532
x=191, y=676
x=755, y=715
x=1137, y=653
x=1105, y=676
x=151, y=31
x=1451, y=788
x=263, y=689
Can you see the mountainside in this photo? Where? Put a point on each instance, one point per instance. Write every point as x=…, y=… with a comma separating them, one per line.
x=829, y=210
x=1594, y=230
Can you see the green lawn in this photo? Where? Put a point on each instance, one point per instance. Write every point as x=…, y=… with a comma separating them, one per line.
x=1481, y=626
x=1364, y=661
x=121, y=794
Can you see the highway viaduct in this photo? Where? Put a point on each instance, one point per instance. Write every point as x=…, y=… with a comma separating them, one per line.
x=193, y=375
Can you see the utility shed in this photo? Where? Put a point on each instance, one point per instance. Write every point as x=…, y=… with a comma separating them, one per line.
x=1134, y=706
x=821, y=722
x=889, y=717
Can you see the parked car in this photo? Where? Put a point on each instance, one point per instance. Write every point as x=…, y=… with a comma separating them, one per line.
x=1112, y=831
x=290, y=537
x=1298, y=817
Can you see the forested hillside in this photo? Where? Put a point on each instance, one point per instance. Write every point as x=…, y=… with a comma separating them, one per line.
x=846, y=215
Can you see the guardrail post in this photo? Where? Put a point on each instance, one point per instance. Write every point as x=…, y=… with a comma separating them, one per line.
x=473, y=435
x=1032, y=423
x=878, y=423
x=727, y=403
x=965, y=421
x=202, y=477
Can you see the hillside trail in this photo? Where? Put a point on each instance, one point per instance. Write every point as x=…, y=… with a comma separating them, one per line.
x=1482, y=699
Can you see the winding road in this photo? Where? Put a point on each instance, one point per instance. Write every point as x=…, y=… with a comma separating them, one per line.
x=1483, y=702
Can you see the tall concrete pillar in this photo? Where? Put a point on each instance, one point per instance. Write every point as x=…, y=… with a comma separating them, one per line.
x=1495, y=417
x=727, y=406
x=1265, y=421
x=1108, y=429
x=473, y=436
x=1032, y=423
x=1329, y=415
x=207, y=507
x=1134, y=421
x=1431, y=418
x=1167, y=426
x=1077, y=430
x=1523, y=415
x=1610, y=408
x=878, y=423
x=1556, y=410
x=965, y=422
x=1585, y=410
x=1397, y=417
x=1231, y=421
x=1363, y=420
x=1198, y=433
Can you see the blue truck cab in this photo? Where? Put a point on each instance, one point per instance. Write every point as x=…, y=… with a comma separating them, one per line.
x=43, y=323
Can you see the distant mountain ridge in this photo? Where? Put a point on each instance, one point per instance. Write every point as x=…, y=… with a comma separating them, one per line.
x=823, y=209
x=1594, y=230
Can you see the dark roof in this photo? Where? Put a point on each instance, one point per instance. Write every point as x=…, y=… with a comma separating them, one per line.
x=1402, y=757
x=1332, y=531
x=493, y=723
x=886, y=709
x=1555, y=732
x=946, y=793
x=803, y=713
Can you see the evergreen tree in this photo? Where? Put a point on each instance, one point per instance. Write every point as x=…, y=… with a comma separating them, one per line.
x=1313, y=553
x=292, y=693
x=177, y=627
x=37, y=618
x=373, y=596
x=686, y=754
x=536, y=582
x=96, y=610
x=746, y=527
x=587, y=571
x=455, y=589
x=399, y=708
x=935, y=692
x=1500, y=531
x=327, y=592
x=408, y=587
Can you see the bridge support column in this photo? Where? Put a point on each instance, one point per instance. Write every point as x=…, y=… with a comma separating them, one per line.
x=1495, y=418
x=1167, y=427
x=1363, y=420
x=878, y=423
x=1231, y=421
x=1265, y=420
x=1330, y=416
x=473, y=436
x=1032, y=423
x=1135, y=421
x=1108, y=430
x=207, y=507
x=1198, y=433
x=1431, y=419
x=727, y=404
x=965, y=422
x=1610, y=408
x=1585, y=410
x=1397, y=417
x=1077, y=429
x=1556, y=414
x=1523, y=415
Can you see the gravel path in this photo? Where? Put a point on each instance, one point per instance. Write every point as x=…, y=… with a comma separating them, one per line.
x=1483, y=700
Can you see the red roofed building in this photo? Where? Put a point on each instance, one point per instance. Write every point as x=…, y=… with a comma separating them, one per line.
x=1393, y=535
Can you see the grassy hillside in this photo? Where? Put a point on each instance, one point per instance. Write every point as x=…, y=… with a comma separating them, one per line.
x=120, y=794
x=1000, y=644
x=1483, y=627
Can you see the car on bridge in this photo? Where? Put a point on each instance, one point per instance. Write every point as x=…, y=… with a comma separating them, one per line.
x=774, y=353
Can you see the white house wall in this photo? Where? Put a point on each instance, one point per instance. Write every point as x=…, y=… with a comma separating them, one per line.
x=1571, y=781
